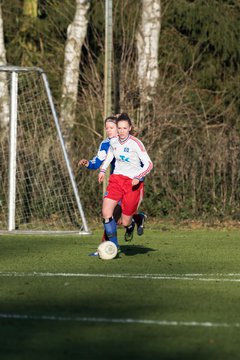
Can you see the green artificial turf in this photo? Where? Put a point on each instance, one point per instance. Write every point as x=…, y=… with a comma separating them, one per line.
x=56, y=302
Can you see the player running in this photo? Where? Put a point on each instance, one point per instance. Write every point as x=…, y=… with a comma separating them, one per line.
x=96, y=162
x=132, y=164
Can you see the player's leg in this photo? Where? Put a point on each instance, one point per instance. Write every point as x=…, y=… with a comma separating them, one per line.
x=139, y=220
x=130, y=204
x=111, y=208
x=128, y=236
x=117, y=216
x=111, y=199
x=110, y=225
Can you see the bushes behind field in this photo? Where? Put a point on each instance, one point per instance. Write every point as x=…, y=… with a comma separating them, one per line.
x=191, y=126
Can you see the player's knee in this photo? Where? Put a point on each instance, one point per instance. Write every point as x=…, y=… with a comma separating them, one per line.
x=106, y=213
x=126, y=222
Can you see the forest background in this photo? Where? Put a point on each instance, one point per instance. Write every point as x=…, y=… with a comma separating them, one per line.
x=189, y=125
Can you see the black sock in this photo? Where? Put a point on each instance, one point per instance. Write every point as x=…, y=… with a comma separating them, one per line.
x=138, y=219
x=131, y=226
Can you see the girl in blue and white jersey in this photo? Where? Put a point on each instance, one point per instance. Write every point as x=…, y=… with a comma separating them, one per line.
x=96, y=162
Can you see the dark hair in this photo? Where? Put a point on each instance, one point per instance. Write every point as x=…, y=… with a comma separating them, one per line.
x=111, y=118
x=125, y=117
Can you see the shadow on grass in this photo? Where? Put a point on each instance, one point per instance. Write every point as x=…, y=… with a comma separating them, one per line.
x=132, y=250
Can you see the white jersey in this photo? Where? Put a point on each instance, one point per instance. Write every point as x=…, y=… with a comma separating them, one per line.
x=132, y=160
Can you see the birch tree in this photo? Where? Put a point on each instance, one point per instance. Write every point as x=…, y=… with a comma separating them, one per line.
x=2, y=46
x=4, y=98
x=147, y=46
x=76, y=34
x=28, y=39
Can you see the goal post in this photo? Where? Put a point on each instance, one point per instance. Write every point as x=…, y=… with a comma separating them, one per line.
x=38, y=191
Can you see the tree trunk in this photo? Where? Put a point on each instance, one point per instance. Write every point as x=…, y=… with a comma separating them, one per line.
x=147, y=47
x=75, y=37
x=29, y=39
x=4, y=98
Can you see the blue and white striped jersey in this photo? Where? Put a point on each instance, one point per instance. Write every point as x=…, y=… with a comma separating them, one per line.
x=97, y=161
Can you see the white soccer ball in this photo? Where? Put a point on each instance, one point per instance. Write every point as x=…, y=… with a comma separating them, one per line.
x=107, y=250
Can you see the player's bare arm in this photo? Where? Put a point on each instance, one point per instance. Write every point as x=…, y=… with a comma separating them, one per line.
x=135, y=182
x=101, y=176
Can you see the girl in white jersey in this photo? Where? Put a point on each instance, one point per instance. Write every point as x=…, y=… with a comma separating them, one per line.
x=126, y=183
x=96, y=162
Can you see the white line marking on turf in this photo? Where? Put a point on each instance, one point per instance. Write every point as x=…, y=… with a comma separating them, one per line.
x=118, y=321
x=219, y=277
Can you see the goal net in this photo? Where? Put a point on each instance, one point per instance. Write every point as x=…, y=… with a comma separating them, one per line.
x=38, y=192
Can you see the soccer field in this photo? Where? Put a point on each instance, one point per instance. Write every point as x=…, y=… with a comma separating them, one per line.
x=170, y=295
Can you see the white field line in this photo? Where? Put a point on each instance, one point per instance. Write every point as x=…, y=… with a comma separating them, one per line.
x=119, y=321
x=220, y=277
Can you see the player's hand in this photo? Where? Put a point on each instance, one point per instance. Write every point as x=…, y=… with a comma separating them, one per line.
x=101, y=176
x=83, y=162
x=135, y=182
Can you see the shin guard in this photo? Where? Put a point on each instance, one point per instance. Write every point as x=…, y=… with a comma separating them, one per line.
x=110, y=227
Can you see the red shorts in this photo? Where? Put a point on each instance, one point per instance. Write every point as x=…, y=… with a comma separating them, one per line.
x=120, y=189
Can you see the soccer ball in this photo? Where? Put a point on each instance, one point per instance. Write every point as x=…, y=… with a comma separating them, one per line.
x=107, y=250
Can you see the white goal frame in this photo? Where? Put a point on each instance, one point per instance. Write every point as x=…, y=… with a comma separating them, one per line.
x=12, y=72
